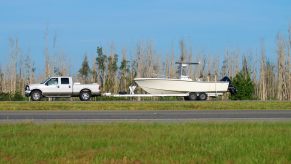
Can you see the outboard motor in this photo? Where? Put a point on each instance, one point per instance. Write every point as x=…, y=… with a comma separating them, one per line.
x=231, y=88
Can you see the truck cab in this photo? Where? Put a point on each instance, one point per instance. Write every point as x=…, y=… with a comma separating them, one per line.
x=58, y=86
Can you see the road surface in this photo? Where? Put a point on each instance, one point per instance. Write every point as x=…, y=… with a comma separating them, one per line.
x=155, y=116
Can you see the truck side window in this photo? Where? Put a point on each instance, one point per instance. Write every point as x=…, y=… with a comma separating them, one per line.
x=52, y=81
x=65, y=81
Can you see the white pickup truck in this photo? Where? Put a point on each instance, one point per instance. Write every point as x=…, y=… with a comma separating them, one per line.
x=61, y=87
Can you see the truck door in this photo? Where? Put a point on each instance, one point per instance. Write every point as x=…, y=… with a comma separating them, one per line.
x=51, y=87
x=66, y=86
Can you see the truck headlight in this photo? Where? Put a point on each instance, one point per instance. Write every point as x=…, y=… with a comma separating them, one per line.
x=27, y=88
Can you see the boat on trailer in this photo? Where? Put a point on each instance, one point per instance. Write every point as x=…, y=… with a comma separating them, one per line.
x=185, y=86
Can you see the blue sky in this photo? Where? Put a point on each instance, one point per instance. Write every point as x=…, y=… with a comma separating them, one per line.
x=81, y=26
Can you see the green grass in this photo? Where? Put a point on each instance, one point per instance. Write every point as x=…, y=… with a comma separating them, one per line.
x=142, y=105
x=146, y=143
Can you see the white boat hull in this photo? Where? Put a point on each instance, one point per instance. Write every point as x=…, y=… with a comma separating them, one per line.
x=177, y=86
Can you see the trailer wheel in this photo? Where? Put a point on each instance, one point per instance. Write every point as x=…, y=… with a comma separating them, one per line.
x=192, y=96
x=202, y=96
x=35, y=95
x=85, y=96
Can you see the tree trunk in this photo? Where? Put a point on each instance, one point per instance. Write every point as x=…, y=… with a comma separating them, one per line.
x=281, y=86
x=263, y=89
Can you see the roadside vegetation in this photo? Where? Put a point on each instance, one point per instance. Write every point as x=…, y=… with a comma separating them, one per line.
x=148, y=105
x=146, y=143
x=12, y=97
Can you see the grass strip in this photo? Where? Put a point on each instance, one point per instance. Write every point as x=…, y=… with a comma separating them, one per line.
x=151, y=105
x=146, y=143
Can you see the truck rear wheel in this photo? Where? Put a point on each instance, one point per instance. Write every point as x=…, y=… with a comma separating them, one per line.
x=85, y=96
x=35, y=95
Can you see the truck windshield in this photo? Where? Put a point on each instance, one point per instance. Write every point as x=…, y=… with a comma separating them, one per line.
x=45, y=81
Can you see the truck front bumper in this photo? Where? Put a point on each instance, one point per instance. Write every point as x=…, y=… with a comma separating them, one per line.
x=27, y=93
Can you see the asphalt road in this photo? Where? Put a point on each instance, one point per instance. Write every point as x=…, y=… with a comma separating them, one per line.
x=146, y=116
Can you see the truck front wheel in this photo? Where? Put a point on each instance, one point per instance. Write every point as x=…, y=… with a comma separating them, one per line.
x=35, y=95
x=85, y=96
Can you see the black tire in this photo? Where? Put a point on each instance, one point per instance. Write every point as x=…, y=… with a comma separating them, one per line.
x=203, y=96
x=85, y=95
x=35, y=95
x=192, y=96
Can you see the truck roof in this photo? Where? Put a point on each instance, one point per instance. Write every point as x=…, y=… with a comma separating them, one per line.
x=60, y=76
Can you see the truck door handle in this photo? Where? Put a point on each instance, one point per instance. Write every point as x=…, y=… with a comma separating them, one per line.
x=69, y=86
x=58, y=86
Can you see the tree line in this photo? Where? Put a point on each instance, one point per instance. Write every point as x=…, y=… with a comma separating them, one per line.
x=256, y=76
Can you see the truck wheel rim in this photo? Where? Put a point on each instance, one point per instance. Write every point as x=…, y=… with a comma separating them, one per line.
x=85, y=96
x=36, y=96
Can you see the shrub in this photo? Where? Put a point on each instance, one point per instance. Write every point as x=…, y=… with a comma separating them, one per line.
x=12, y=97
x=244, y=86
x=5, y=96
x=18, y=97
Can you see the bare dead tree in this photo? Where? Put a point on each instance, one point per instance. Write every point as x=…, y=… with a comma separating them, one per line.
x=225, y=64
x=124, y=72
x=47, y=55
x=196, y=71
x=27, y=69
x=101, y=61
x=94, y=70
x=1, y=80
x=183, y=50
x=289, y=63
x=213, y=67
x=172, y=69
x=139, y=57
x=60, y=64
x=189, y=59
x=11, y=69
x=55, y=40
x=263, y=74
x=150, y=64
x=111, y=83
x=20, y=83
x=281, y=86
x=270, y=81
x=166, y=66
x=147, y=62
